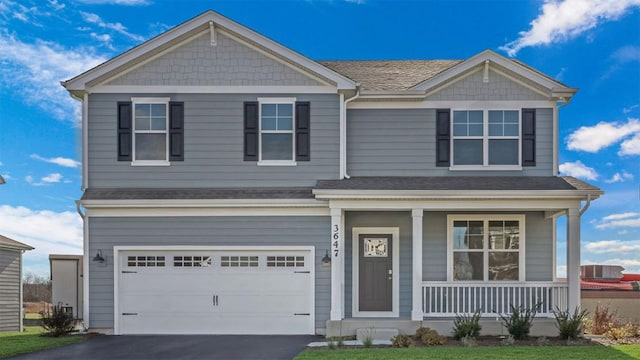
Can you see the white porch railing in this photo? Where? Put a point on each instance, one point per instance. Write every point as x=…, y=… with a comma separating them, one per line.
x=446, y=299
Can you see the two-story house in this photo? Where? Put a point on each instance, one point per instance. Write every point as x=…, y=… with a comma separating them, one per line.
x=234, y=186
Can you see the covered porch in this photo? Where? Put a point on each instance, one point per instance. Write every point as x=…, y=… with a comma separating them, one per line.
x=426, y=282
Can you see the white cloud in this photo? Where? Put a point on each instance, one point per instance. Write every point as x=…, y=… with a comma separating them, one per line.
x=579, y=170
x=56, y=5
x=623, y=220
x=620, y=177
x=52, y=178
x=620, y=216
x=630, y=146
x=49, y=232
x=612, y=246
x=626, y=54
x=594, y=138
x=629, y=109
x=66, y=162
x=37, y=68
x=116, y=2
x=117, y=27
x=45, y=180
x=562, y=20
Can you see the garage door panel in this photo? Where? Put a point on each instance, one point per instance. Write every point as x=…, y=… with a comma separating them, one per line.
x=216, y=292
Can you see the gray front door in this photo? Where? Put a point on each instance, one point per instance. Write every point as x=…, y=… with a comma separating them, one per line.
x=376, y=272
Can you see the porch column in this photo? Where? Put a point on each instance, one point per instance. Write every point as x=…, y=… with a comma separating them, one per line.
x=416, y=308
x=573, y=258
x=337, y=265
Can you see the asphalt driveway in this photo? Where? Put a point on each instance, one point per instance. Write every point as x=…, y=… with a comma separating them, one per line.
x=142, y=347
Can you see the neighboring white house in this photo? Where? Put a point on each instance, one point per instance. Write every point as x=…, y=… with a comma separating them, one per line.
x=10, y=283
x=66, y=283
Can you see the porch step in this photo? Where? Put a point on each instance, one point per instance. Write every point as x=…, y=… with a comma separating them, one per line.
x=375, y=334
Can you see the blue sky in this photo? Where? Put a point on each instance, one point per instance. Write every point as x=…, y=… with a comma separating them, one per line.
x=590, y=44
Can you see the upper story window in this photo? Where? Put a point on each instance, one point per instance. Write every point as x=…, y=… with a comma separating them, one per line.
x=277, y=140
x=150, y=136
x=150, y=131
x=486, y=138
x=486, y=248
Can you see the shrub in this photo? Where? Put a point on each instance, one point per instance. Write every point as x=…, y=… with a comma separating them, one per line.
x=570, y=325
x=520, y=321
x=466, y=326
x=402, y=341
x=621, y=332
x=508, y=341
x=602, y=317
x=57, y=322
x=430, y=337
x=468, y=341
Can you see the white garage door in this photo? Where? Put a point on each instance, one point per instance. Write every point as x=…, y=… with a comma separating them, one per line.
x=216, y=292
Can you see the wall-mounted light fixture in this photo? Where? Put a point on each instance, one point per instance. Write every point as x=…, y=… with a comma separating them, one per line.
x=99, y=257
x=326, y=259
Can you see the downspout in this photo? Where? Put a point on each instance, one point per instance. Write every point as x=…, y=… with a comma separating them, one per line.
x=85, y=135
x=586, y=205
x=343, y=125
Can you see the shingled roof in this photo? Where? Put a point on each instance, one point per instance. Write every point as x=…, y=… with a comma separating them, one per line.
x=389, y=74
x=442, y=183
x=197, y=193
x=12, y=244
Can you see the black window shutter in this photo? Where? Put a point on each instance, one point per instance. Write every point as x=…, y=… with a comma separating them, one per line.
x=303, y=135
x=124, y=131
x=251, y=131
x=176, y=131
x=528, y=137
x=443, y=137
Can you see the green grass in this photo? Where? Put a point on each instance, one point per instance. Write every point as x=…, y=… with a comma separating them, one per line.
x=32, y=316
x=622, y=352
x=14, y=343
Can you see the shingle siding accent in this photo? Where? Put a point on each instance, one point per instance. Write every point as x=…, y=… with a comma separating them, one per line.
x=213, y=146
x=197, y=63
x=105, y=233
x=472, y=87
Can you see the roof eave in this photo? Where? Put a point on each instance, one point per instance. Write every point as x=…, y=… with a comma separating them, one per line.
x=78, y=83
x=455, y=194
x=498, y=59
x=199, y=203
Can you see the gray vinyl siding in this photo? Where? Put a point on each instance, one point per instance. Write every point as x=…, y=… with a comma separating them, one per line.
x=105, y=233
x=538, y=246
x=10, y=290
x=401, y=142
x=213, y=143
x=401, y=219
x=197, y=63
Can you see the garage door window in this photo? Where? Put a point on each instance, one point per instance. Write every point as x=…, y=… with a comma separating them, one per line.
x=145, y=261
x=285, y=261
x=191, y=261
x=239, y=261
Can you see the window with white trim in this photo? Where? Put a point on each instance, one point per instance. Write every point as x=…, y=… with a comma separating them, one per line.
x=277, y=123
x=486, y=138
x=486, y=248
x=150, y=136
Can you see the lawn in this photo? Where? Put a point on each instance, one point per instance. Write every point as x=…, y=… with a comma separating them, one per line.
x=505, y=352
x=14, y=343
x=32, y=316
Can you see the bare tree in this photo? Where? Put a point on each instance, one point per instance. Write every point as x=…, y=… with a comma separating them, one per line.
x=36, y=288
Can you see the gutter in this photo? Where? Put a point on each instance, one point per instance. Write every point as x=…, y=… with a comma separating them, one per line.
x=343, y=132
x=586, y=205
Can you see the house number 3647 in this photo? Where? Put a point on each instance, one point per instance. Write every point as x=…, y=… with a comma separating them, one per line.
x=336, y=239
